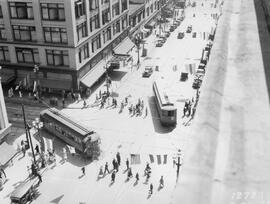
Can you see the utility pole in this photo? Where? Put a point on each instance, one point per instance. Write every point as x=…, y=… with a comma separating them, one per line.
x=28, y=136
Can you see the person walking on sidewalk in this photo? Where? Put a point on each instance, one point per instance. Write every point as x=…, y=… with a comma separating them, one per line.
x=129, y=174
x=151, y=189
x=118, y=158
x=161, y=182
x=106, y=168
x=137, y=177
x=37, y=149
x=146, y=111
x=39, y=178
x=127, y=164
x=113, y=176
x=83, y=170
x=114, y=164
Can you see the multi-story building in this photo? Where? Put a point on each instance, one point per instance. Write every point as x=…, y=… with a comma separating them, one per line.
x=64, y=41
x=143, y=13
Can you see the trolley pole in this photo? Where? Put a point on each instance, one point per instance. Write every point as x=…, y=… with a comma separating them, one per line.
x=28, y=135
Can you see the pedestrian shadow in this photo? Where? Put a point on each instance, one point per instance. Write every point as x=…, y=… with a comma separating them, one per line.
x=145, y=182
x=127, y=180
x=79, y=177
x=111, y=184
x=125, y=171
x=159, y=188
x=21, y=157
x=100, y=177
x=135, y=183
x=149, y=196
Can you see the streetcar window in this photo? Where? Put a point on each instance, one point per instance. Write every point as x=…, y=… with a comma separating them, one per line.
x=170, y=113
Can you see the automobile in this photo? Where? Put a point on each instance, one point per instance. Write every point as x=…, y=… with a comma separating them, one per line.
x=167, y=33
x=163, y=39
x=159, y=43
x=189, y=29
x=180, y=35
x=200, y=71
x=172, y=28
x=197, y=83
x=148, y=70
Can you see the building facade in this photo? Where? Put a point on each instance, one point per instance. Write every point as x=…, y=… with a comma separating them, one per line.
x=62, y=39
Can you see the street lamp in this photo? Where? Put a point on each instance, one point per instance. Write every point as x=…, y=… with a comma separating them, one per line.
x=28, y=135
x=178, y=163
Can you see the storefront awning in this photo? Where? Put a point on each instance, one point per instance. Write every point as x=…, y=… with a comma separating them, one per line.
x=124, y=47
x=5, y=79
x=94, y=74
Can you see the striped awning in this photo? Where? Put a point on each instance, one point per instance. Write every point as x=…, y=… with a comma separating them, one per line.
x=124, y=47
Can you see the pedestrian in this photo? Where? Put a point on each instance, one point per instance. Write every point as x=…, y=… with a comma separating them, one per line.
x=129, y=174
x=114, y=164
x=37, y=149
x=151, y=189
x=99, y=93
x=126, y=100
x=84, y=103
x=127, y=164
x=83, y=170
x=63, y=102
x=113, y=176
x=118, y=158
x=96, y=97
x=72, y=96
x=23, y=150
x=2, y=172
x=101, y=171
x=39, y=177
x=137, y=177
x=161, y=182
x=106, y=168
x=146, y=111
x=64, y=154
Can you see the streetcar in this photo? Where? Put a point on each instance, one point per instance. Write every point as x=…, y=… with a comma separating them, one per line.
x=166, y=109
x=84, y=140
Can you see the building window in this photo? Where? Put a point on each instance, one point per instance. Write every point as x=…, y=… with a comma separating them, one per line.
x=57, y=57
x=151, y=8
x=24, y=33
x=84, y=52
x=4, y=54
x=134, y=21
x=81, y=31
x=107, y=35
x=147, y=11
x=105, y=16
x=155, y=5
x=116, y=27
x=21, y=10
x=124, y=22
x=115, y=9
x=1, y=12
x=55, y=35
x=51, y=11
x=139, y=17
x=94, y=22
x=104, y=1
x=79, y=8
x=93, y=4
x=96, y=43
x=27, y=55
x=2, y=32
x=124, y=5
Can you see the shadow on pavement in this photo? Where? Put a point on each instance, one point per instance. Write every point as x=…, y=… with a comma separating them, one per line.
x=264, y=36
x=57, y=200
x=117, y=75
x=155, y=117
x=59, y=145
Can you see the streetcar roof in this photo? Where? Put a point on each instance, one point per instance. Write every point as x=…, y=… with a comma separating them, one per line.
x=54, y=114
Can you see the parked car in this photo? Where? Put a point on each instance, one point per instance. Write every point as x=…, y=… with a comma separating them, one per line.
x=172, y=28
x=167, y=33
x=197, y=83
x=180, y=35
x=163, y=39
x=148, y=70
x=189, y=29
x=159, y=43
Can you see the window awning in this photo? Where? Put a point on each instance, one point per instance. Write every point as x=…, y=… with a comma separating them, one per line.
x=124, y=47
x=94, y=74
